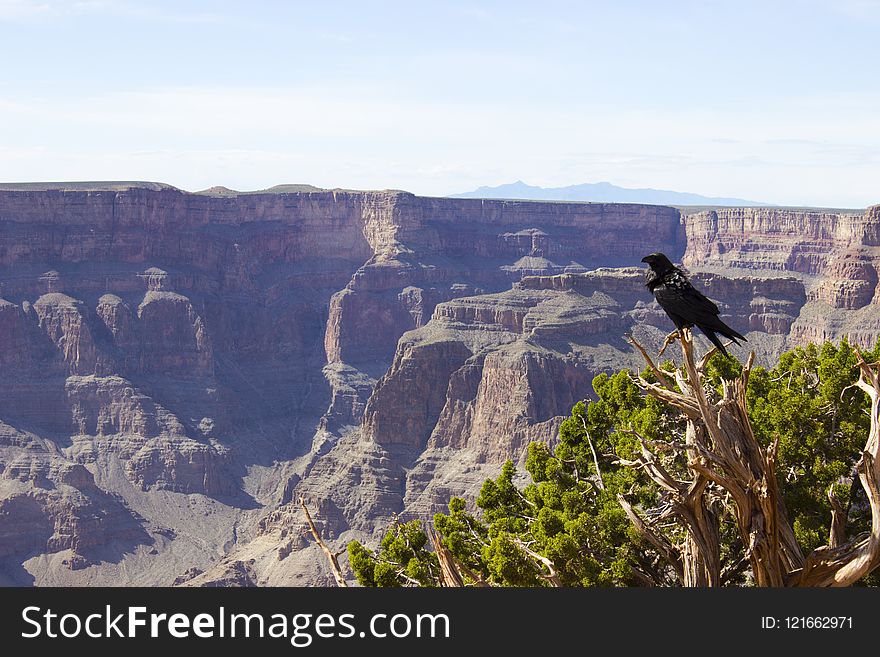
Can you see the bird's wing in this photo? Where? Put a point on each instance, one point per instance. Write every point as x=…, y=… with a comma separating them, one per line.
x=678, y=296
x=685, y=304
x=677, y=292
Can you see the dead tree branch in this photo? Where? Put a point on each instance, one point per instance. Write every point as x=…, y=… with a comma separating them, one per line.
x=599, y=482
x=449, y=575
x=551, y=574
x=451, y=568
x=331, y=556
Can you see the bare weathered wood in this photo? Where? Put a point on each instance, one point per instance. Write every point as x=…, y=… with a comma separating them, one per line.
x=452, y=568
x=837, y=533
x=726, y=462
x=449, y=575
x=667, y=550
x=551, y=574
x=671, y=338
x=599, y=482
x=660, y=374
x=332, y=557
x=475, y=578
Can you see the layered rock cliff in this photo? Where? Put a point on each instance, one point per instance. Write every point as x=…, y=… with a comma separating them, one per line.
x=837, y=256
x=177, y=369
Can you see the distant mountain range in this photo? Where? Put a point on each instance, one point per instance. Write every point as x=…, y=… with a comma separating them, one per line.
x=602, y=192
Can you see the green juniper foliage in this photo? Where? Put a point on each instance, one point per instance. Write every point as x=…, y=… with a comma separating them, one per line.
x=402, y=559
x=570, y=514
x=809, y=403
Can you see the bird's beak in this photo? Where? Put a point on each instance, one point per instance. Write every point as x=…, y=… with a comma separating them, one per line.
x=645, y=259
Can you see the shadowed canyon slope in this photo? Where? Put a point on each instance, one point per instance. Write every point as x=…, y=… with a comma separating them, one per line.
x=176, y=369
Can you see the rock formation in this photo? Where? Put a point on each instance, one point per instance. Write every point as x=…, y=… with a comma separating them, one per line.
x=177, y=369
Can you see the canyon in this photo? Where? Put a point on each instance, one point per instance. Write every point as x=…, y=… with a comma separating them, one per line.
x=178, y=370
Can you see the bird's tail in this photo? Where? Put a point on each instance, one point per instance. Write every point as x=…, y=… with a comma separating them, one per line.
x=713, y=338
x=720, y=327
x=731, y=334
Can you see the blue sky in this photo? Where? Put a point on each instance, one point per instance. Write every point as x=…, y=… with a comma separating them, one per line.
x=771, y=101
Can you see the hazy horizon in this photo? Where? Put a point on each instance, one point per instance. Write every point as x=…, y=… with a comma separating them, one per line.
x=771, y=102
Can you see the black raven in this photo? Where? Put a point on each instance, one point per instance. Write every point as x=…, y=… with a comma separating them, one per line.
x=684, y=304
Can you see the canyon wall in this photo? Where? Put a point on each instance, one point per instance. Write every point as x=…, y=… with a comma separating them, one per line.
x=177, y=369
x=837, y=255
